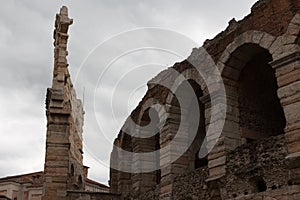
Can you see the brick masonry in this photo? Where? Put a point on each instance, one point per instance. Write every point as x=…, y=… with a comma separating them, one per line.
x=63, y=164
x=258, y=153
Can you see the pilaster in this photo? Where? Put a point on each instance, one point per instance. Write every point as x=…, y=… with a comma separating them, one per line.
x=288, y=78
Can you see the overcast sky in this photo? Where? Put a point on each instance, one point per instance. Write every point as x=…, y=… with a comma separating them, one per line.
x=112, y=82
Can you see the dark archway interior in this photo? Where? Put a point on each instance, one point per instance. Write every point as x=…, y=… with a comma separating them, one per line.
x=261, y=114
x=72, y=170
x=199, y=162
x=194, y=149
x=193, y=109
x=152, y=143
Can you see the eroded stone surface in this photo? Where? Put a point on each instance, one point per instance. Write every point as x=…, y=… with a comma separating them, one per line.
x=63, y=164
x=257, y=154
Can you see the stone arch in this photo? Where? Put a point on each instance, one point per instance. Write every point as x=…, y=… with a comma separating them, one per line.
x=251, y=54
x=147, y=140
x=124, y=178
x=173, y=109
x=190, y=159
x=200, y=88
x=262, y=39
x=188, y=74
x=114, y=173
x=289, y=42
x=185, y=162
x=120, y=181
x=194, y=159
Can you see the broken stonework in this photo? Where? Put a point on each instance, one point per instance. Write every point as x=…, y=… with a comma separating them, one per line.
x=258, y=153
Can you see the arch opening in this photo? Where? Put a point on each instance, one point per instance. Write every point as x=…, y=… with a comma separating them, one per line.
x=260, y=112
x=192, y=154
x=152, y=143
x=201, y=132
